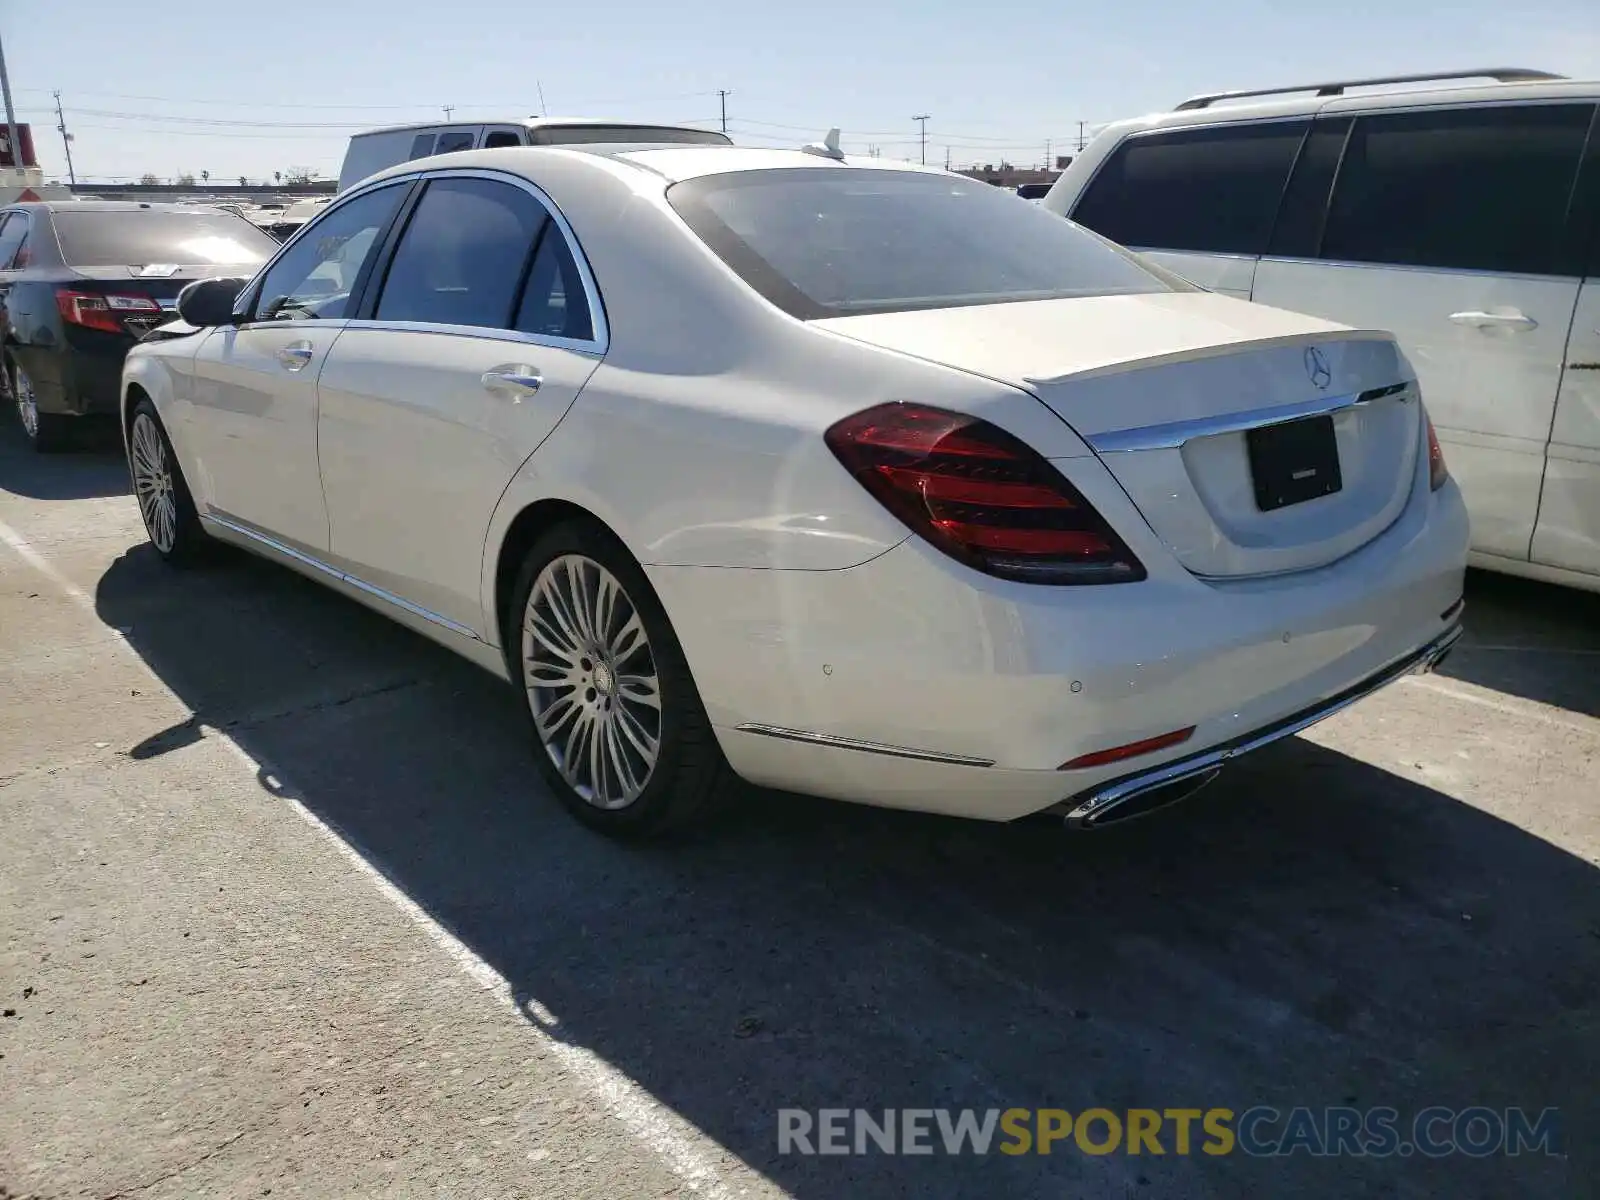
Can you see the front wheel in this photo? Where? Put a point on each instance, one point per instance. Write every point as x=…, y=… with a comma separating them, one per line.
x=165, y=504
x=624, y=740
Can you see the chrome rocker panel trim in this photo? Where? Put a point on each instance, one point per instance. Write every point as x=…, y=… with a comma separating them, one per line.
x=1088, y=810
x=845, y=743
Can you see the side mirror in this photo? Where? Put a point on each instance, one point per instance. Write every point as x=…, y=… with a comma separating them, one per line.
x=207, y=302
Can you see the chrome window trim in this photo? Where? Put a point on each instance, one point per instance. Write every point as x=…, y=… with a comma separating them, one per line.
x=487, y=332
x=1171, y=435
x=334, y=573
x=1302, y=260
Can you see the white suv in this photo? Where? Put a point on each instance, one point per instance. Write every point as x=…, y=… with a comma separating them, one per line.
x=1465, y=219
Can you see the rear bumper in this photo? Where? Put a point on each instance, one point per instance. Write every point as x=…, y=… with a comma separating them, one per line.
x=82, y=378
x=1145, y=791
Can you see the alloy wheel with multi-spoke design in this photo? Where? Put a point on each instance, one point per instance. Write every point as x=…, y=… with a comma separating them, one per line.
x=27, y=402
x=592, y=681
x=153, y=483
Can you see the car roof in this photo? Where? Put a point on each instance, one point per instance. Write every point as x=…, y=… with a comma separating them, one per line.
x=1224, y=111
x=534, y=123
x=670, y=162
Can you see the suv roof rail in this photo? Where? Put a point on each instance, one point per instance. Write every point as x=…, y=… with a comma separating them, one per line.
x=1337, y=87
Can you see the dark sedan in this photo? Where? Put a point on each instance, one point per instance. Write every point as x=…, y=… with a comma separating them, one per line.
x=81, y=281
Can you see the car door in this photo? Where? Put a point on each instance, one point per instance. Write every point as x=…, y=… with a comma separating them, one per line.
x=1449, y=227
x=13, y=228
x=251, y=418
x=484, y=329
x=1567, y=534
x=1199, y=202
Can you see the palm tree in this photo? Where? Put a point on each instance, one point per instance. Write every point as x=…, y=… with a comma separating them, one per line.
x=205, y=176
x=277, y=177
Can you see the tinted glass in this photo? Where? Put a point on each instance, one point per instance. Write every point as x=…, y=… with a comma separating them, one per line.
x=462, y=255
x=837, y=241
x=553, y=302
x=421, y=145
x=1197, y=189
x=315, y=276
x=13, y=228
x=501, y=137
x=1298, y=232
x=134, y=237
x=1482, y=189
x=451, y=142
x=574, y=135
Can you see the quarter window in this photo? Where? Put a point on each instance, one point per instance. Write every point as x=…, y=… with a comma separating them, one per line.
x=1214, y=189
x=1482, y=189
x=462, y=255
x=421, y=146
x=317, y=275
x=13, y=228
x=553, y=303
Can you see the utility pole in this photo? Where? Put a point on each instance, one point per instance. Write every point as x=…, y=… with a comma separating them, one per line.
x=11, y=113
x=722, y=95
x=1047, y=159
x=66, y=141
x=1080, y=136
x=448, y=109
x=923, y=121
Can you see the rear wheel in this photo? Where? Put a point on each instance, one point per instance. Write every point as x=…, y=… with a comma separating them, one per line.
x=165, y=504
x=624, y=740
x=46, y=432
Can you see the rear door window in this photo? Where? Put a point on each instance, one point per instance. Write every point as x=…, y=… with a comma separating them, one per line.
x=449, y=143
x=13, y=228
x=1478, y=189
x=463, y=255
x=138, y=237
x=1215, y=189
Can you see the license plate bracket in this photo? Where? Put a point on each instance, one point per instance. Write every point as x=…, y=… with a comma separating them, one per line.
x=1293, y=462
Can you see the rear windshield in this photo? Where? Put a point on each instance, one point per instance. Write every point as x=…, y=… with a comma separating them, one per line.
x=840, y=241
x=136, y=237
x=575, y=135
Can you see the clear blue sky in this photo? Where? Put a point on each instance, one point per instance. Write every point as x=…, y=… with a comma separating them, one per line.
x=248, y=88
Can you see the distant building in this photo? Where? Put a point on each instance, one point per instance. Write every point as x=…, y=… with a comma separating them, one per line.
x=1006, y=176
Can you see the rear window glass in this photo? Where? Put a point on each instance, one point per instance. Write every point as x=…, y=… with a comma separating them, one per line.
x=576, y=135
x=136, y=237
x=842, y=241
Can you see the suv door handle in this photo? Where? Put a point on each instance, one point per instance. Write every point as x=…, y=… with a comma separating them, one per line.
x=516, y=381
x=295, y=355
x=1498, y=320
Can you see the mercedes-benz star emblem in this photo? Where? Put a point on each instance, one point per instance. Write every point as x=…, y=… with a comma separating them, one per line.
x=1317, y=367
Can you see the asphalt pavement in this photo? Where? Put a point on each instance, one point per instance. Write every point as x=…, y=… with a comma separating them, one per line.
x=285, y=911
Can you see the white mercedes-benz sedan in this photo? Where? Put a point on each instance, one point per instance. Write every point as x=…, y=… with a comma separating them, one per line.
x=828, y=474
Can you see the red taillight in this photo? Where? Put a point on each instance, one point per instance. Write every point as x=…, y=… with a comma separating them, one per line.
x=94, y=311
x=980, y=495
x=1438, y=472
x=1132, y=750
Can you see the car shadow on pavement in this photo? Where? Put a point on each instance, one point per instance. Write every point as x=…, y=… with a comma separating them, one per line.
x=1311, y=931
x=1530, y=639
x=92, y=466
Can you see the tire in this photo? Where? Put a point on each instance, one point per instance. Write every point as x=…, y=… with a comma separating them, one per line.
x=165, y=503
x=47, y=433
x=603, y=680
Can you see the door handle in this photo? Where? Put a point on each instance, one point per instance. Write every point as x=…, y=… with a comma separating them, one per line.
x=295, y=355
x=516, y=381
x=1495, y=320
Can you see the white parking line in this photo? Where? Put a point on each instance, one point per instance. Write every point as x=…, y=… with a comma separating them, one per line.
x=662, y=1131
x=1530, y=709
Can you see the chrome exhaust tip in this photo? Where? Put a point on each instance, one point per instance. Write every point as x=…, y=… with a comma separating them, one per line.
x=1110, y=808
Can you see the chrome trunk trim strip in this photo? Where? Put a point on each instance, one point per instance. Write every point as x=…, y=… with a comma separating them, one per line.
x=845, y=743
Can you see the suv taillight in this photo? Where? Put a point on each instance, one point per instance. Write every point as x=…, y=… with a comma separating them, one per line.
x=1438, y=472
x=94, y=311
x=980, y=495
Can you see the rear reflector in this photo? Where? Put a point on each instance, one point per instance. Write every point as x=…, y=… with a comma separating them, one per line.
x=1100, y=758
x=1438, y=472
x=94, y=311
x=980, y=495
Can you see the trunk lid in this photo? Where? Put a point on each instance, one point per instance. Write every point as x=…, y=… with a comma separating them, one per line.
x=1254, y=441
